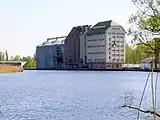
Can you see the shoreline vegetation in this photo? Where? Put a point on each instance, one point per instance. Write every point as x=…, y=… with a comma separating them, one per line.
x=10, y=69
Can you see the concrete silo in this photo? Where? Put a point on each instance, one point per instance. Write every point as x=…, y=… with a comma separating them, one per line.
x=50, y=54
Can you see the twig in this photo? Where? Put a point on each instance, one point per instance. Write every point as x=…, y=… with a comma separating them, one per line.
x=143, y=95
x=143, y=111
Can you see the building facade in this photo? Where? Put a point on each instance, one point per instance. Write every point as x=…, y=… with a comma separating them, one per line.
x=72, y=46
x=104, y=45
x=50, y=56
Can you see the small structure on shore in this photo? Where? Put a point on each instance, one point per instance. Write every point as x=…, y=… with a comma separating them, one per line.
x=146, y=63
x=11, y=66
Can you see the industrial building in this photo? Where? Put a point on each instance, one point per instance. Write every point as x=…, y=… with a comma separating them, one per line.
x=104, y=45
x=99, y=47
x=50, y=54
x=72, y=46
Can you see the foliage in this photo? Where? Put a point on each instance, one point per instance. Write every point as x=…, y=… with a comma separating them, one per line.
x=145, y=24
x=30, y=62
x=2, y=57
x=17, y=58
x=135, y=55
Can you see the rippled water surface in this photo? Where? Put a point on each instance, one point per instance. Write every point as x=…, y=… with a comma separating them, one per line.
x=66, y=95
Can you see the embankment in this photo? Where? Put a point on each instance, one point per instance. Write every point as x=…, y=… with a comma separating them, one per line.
x=10, y=68
x=116, y=69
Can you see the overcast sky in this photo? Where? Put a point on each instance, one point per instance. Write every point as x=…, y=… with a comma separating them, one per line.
x=24, y=24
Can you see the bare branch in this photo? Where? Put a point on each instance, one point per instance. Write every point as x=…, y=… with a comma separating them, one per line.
x=143, y=111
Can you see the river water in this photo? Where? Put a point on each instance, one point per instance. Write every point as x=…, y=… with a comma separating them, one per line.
x=69, y=95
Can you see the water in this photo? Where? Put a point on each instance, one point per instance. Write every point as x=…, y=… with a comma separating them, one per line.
x=66, y=95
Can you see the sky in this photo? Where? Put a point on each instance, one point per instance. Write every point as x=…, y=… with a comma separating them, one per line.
x=24, y=24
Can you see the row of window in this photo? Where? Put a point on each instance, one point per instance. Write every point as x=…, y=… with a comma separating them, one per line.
x=95, y=39
x=122, y=37
x=91, y=46
x=115, y=28
x=116, y=33
x=96, y=53
x=96, y=60
x=102, y=60
x=118, y=50
x=117, y=54
x=115, y=44
x=117, y=59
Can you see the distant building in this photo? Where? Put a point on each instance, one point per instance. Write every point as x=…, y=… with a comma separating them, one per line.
x=72, y=46
x=147, y=63
x=50, y=54
x=104, y=45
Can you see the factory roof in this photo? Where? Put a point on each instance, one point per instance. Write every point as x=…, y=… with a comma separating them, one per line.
x=53, y=41
x=102, y=27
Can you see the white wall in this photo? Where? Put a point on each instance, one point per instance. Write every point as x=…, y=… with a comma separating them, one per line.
x=117, y=34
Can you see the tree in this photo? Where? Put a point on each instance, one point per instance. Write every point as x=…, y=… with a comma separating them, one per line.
x=136, y=54
x=2, y=56
x=30, y=62
x=17, y=58
x=145, y=25
x=6, y=55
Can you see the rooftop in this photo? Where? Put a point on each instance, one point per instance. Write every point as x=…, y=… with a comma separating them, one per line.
x=101, y=27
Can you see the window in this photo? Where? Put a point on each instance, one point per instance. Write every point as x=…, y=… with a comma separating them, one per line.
x=89, y=59
x=113, y=37
x=109, y=53
x=109, y=57
x=109, y=39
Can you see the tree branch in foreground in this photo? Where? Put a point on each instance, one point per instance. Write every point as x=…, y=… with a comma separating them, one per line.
x=143, y=111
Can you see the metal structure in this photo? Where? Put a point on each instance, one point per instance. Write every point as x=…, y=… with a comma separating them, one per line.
x=50, y=54
x=55, y=40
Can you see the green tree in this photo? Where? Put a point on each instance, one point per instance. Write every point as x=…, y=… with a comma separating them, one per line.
x=128, y=54
x=6, y=55
x=17, y=58
x=30, y=62
x=145, y=25
x=2, y=56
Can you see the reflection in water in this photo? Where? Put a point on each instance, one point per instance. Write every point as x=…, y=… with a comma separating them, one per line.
x=62, y=95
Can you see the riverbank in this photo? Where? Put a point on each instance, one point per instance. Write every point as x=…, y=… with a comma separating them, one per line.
x=10, y=69
x=116, y=69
